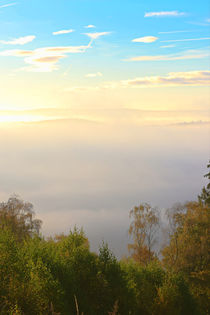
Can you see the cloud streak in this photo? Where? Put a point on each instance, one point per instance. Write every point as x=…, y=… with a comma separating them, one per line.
x=185, y=40
x=63, y=32
x=193, y=123
x=145, y=39
x=173, y=32
x=191, y=54
x=164, y=14
x=172, y=79
x=192, y=78
x=7, y=5
x=45, y=59
x=167, y=46
x=19, y=41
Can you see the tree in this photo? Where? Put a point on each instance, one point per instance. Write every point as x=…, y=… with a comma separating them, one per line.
x=204, y=197
x=174, y=216
x=188, y=250
x=174, y=297
x=143, y=230
x=18, y=216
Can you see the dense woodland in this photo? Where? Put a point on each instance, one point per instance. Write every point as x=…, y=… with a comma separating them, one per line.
x=60, y=275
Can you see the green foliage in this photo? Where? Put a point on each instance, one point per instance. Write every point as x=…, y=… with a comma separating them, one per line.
x=114, y=286
x=18, y=216
x=174, y=297
x=189, y=244
x=188, y=250
x=26, y=284
x=62, y=276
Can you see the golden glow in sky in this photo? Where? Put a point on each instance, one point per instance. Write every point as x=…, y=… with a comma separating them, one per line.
x=84, y=63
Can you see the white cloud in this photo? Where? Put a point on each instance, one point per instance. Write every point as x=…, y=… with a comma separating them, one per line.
x=206, y=23
x=168, y=46
x=173, y=32
x=190, y=54
x=172, y=79
x=97, y=34
x=16, y=53
x=19, y=41
x=145, y=39
x=43, y=63
x=89, y=26
x=184, y=40
x=63, y=32
x=191, y=78
x=44, y=59
x=164, y=14
x=165, y=58
x=7, y=5
x=93, y=75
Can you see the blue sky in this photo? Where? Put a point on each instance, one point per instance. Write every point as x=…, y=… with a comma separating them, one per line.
x=125, y=20
x=80, y=50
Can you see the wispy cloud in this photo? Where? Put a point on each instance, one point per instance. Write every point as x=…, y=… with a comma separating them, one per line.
x=63, y=32
x=19, y=41
x=44, y=59
x=7, y=5
x=93, y=75
x=189, y=54
x=184, y=40
x=164, y=14
x=174, y=32
x=192, y=78
x=193, y=122
x=145, y=39
x=172, y=79
x=96, y=35
x=205, y=23
x=89, y=26
x=16, y=53
x=167, y=46
x=201, y=23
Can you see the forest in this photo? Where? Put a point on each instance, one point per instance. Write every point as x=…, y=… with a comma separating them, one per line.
x=60, y=275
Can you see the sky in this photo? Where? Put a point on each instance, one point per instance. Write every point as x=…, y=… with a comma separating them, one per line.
x=103, y=104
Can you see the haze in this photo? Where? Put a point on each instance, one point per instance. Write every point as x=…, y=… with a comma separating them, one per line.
x=103, y=105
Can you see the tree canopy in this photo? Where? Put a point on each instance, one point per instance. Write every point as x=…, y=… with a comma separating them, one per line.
x=18, y=216
x=61, y=275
